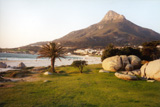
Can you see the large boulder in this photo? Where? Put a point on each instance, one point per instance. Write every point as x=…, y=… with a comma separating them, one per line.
x=134, y=61
x=129, y=67
x=3, y=65
x=125, y=76
x=21, y=65
x=151, y=70
x=125, y=61
x=112, y=64
x=122, y=62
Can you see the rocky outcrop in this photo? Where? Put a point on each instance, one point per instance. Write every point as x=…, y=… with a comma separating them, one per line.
x=125, y=76
x=112, y=64
x=3, y=65
x=120, y=63
x=21, y=65
x=129, y=67
x=134, y=61
x=151, y=70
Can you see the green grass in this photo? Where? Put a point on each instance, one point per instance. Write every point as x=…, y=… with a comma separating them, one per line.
x=72, y=89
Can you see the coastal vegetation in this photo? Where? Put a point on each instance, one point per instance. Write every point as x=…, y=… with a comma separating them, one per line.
x=51, y=50
x=79, y=64
x=68, y=88
x=148, y=52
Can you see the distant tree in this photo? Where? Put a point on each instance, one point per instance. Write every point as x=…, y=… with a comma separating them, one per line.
x=130, y=51
x=51, y=50
x=150, y=51
x=79, y=64
x=110, y=51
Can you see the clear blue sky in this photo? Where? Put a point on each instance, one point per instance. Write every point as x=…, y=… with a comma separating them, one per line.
x=27, y=21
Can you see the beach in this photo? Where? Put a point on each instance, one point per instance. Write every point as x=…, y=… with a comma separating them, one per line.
x=47, y=62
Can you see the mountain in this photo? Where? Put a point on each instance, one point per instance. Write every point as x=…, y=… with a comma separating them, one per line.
x=113, y=28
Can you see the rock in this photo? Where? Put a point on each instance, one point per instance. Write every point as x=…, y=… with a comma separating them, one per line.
x=130, y=73
x=136, y=72
x=117, y=63
x=151, y=70
x=150, y=80
x=46, y=81
x=3, y=65
x=129, y=67
x=134, y=61
x=47, y=73
x=125, y=76
x=103, y=71
x=125, y=61
x=21, y=65
x=112, y=64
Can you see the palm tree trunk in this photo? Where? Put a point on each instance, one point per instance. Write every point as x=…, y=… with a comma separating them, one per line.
x=81, y=69
x=52, y=65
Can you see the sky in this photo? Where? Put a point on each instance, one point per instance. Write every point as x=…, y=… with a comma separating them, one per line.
x=23, y=22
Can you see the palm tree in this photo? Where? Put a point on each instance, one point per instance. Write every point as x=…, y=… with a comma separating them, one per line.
x=51, y=50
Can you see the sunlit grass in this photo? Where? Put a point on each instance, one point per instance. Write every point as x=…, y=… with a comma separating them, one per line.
x=71, y=88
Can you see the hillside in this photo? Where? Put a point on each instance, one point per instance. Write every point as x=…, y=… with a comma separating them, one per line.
x=113, y=28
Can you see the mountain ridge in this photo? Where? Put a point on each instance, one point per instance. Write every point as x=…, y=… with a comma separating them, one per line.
x=113, y=28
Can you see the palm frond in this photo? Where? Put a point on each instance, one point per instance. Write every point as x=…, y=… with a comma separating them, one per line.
x=51, y=50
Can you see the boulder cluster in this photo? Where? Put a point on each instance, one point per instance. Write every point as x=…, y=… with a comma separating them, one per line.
x=19, y=66
x=129, y=68
x=3, y=65
x=121, y=63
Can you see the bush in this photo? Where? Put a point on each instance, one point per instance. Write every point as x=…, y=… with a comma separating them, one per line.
x=79, y=64
x=150, y=51
x=112, y=51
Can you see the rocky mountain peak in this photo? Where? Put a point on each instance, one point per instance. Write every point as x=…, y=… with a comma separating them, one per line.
x=112, y=16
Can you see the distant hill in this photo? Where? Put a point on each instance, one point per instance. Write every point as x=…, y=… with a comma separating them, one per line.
x=113, y=28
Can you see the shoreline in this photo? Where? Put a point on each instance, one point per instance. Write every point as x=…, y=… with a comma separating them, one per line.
x=46, y=62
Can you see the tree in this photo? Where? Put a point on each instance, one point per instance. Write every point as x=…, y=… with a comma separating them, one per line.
x=79, y=64
x=130, y=51
x=110, y=51
x=51, y=50
x=150, y=51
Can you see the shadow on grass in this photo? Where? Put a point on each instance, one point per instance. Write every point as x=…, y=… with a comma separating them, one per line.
x=2, y=104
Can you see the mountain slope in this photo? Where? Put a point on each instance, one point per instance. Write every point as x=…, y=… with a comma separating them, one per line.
x=113, y=28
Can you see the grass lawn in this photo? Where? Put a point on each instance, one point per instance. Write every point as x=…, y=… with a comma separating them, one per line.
x=72, y=89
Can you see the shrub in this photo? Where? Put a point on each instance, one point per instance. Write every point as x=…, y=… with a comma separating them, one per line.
x=79, y=64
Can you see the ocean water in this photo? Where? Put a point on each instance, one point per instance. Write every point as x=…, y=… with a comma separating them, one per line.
x=13, y=56
x=13, y=60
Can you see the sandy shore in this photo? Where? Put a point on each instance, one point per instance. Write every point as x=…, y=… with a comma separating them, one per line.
x=46, y=62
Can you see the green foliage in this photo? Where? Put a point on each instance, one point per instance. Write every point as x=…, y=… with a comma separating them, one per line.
x=79, y=64
x=150, y=51
x=130, y=51
x=112, y=51
x=51, y=50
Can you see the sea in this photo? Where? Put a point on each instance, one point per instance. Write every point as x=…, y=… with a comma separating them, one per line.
x=14, y=59
x=18, y=56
